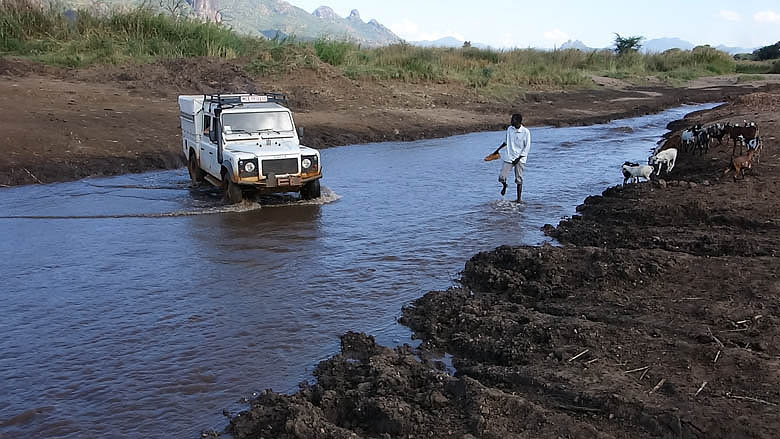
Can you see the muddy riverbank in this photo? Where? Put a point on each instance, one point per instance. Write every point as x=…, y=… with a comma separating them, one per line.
x=111, y=120
x=658, y=317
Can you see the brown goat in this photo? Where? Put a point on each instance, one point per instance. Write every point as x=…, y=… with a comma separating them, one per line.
x=739, y=164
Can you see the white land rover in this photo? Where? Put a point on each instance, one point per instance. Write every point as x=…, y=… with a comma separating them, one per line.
x=247, y=143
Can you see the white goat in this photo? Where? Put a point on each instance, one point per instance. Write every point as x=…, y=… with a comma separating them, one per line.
x=633, y=171
x=688, y=139
x=667, y=156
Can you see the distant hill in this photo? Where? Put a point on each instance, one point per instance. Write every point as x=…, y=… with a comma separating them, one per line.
x=269, y=17
x=663, y=44
x=734, y=50
x=659, y=45
x=576, y=44
x=446, y=42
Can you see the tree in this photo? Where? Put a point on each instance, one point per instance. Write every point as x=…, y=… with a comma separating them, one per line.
x=176, y=8
x=767, y=52
x=627, y=44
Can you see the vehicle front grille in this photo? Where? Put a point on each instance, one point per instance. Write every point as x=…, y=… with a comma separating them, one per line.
x=280, y=166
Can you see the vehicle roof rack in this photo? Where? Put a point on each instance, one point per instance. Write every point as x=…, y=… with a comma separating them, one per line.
x=234, y=99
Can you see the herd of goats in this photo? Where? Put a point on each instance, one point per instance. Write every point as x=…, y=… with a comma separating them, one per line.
x=698, y=139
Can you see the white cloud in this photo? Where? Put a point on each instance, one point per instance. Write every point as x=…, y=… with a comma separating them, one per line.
x=405, y=28
x=730, y=15
x=556, y=36
x=410, y=31
x=767, y=17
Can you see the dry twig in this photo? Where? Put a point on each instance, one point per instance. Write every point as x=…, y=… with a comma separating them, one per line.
x=32, y=175
x=700, y=389
x=748, y=398
x=716, y=358
x=709, y=332
x=644, y=373
x=579, y=355
x=577, y=408
x=638, y=369
x=658, y=386
x=592, y=361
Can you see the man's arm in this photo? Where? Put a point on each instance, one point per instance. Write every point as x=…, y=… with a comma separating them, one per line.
x=499, y=148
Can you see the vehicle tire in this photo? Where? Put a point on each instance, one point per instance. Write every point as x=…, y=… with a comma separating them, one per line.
x=196, y=174
x=311, y=190
x=233, y=192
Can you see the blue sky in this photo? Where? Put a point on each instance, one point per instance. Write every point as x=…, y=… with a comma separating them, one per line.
x=504, y=23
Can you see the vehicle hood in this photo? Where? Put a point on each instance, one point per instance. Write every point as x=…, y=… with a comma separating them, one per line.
x=264, y=147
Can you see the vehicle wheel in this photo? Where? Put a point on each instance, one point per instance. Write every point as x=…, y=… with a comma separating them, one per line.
x=233, y=193
x=311, y=190
x=196, y=174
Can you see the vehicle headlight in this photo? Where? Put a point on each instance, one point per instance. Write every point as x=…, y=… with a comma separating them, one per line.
x=247, y=168
x=306, y=163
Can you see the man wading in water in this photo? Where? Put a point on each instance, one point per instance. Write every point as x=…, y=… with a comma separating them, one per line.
x=518, y=144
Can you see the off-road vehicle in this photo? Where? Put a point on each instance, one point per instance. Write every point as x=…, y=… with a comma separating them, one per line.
x=247, y=143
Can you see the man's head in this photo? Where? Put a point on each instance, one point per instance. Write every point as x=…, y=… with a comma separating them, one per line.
x=517, y=120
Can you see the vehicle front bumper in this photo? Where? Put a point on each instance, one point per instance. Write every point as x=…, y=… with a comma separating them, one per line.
x=292, y=182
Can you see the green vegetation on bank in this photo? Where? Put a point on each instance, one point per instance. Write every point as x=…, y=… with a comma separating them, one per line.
x=80, y=38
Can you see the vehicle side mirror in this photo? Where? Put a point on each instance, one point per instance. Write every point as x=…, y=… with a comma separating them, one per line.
x=300, y=133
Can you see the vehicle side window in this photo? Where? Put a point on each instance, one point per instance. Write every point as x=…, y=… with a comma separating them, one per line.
x=206, y=124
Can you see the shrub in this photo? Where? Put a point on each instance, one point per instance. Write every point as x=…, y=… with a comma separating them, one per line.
x=333, y=52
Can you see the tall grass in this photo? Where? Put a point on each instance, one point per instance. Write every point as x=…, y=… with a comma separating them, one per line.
x=86, y=37
x=482, y=68
x=46, y=33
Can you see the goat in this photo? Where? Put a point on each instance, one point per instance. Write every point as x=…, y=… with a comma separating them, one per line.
x=748, y=132
x=667, y=156
x=717, y=131
x=688, y=139
x=739, y=164
x=755, y=145
x=634, y=171
x=703, y=141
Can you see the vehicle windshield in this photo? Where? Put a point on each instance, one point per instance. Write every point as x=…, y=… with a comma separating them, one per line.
x=276, y=121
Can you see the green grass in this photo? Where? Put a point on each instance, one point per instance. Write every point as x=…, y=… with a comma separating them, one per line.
x=749, y=78
x=754, y=67
x=144, y=34
x=139, y=35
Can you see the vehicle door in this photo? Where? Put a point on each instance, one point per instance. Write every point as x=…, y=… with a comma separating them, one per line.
x=208, y=148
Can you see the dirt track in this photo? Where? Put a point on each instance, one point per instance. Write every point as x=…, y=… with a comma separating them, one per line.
x=70, y=124
x=659, y=317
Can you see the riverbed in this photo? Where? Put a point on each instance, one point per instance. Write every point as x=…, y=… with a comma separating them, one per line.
x=136, y=305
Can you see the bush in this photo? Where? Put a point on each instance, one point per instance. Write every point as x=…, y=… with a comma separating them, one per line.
x=753, y=67
x=767, y=52
x=333, y=52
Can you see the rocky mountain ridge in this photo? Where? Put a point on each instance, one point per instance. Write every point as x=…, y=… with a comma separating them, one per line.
x=279, y=17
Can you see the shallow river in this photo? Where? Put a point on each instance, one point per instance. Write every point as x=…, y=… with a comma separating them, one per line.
x=136, y=307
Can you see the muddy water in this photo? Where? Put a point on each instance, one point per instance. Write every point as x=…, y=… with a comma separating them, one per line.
x=137, y=307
